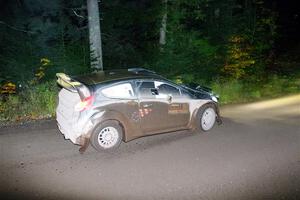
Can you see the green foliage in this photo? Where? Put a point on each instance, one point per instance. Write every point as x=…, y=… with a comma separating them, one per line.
x=227, y=43
x=189, y=55
x=208, y=40
x=72, y=58
x=228, y=91
x=199, y=37
x=237, y=91
x=35, y=102
x=129, y=32
x=187, y=52
x=19, y=58
x=239, y=58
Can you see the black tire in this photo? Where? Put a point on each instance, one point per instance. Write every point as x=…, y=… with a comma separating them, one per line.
x=203, y=110
x=102, y=131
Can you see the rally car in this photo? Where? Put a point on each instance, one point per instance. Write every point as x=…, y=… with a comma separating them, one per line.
x=107, y=107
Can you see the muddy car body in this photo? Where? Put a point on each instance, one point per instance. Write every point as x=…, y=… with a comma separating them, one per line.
x=108, y=107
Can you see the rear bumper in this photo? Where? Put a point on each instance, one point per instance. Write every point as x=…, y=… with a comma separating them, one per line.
x=76, y=131
x=81, y=140
x=68, y=134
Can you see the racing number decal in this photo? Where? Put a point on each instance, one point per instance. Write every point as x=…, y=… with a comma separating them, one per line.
x=176, y=108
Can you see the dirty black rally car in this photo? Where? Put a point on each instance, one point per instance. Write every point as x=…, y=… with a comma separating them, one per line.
x=108, y=107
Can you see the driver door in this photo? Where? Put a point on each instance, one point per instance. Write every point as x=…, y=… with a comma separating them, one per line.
x=160, y=112
x=152, y=112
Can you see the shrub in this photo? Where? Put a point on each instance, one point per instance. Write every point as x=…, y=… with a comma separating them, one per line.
x=235, y=91
x=34, y=102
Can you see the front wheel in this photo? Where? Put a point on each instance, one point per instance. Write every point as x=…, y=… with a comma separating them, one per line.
x=207, y=117
x=107, y=136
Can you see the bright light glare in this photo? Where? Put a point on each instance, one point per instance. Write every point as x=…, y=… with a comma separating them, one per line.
x=291, y=100
x=275, y=109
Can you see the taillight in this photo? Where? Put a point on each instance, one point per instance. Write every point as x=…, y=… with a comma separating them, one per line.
x=84, y=104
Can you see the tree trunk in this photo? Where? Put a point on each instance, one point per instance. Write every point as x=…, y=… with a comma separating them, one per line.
x=94, y=34
x=163, y=28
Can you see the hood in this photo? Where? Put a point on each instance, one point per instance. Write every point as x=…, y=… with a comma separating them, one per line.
x=201, y=92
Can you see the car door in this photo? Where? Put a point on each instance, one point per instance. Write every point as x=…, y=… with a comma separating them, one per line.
x=151, y=111
x=178, y=105
x=163, y=111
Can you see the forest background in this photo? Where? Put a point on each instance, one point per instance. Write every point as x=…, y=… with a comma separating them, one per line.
x=245, y=50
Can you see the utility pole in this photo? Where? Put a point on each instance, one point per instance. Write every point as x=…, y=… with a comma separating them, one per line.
x=94, y=35
x=163, y=28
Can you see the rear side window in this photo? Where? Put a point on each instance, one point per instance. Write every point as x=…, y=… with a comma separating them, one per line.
x=123, y=90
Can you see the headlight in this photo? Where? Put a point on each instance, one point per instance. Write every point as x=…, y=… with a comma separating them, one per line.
x=214, y=98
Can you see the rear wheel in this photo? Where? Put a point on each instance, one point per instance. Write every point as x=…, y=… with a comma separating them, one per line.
x=107, y=136
x=207, y=117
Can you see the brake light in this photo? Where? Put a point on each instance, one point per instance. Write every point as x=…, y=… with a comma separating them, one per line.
x=84, y=104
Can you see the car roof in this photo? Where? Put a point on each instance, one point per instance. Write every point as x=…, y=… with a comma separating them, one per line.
x=116, y=75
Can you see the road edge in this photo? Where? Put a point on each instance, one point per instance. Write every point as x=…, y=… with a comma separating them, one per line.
x=28, y=126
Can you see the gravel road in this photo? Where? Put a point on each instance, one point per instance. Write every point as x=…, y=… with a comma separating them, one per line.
x=254, y=155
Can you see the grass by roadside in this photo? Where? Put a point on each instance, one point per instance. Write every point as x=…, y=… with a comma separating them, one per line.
x=39, y=101
x=31, y=103
x=242, y=92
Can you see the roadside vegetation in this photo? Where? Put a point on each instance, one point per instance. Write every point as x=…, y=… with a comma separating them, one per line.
x=234, y=47
x=242, y=92
x=37, y=102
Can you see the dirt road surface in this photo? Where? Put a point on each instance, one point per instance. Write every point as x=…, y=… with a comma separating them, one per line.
x=254, y=155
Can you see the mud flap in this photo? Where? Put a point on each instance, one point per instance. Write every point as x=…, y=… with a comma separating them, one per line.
x=218, y=117
x=219, y=120
x=84, y=146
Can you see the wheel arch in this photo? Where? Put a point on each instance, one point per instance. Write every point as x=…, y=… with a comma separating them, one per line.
x=115, y=116
x=195, y=121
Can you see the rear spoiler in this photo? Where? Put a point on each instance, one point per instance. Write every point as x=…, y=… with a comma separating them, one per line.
x=72, y=85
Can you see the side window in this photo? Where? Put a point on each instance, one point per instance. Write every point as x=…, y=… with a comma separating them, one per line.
x=166, y=89
x=145, y=88
x=185, y=93
x=123, y=90
x=156, y=89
